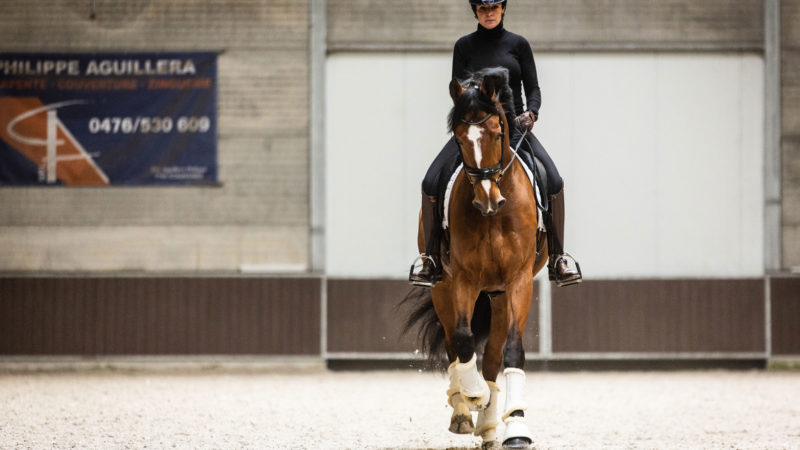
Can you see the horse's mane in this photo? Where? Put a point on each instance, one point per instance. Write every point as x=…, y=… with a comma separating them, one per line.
x=472, y=100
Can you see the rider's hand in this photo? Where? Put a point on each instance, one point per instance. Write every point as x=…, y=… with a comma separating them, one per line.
x=526, y=120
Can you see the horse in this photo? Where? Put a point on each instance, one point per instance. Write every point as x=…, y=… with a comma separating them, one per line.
x=487, y=282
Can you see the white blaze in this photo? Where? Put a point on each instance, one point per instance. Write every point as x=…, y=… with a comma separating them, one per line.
x=487, y=186
x=474, y=134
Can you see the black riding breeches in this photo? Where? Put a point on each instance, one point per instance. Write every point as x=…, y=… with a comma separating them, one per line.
x=430, y=184
x=554, y=183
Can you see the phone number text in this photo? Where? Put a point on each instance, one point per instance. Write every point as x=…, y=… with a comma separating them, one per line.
x=145, y=125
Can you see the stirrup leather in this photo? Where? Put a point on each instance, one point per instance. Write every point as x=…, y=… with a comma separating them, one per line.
x=551, y=270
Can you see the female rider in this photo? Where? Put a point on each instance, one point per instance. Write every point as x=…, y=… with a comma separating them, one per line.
x=494, y=46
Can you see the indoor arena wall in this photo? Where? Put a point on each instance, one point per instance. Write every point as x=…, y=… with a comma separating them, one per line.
x=155, y=270
x=258, y=214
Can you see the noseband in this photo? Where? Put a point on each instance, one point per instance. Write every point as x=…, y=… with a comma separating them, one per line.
x=492, y=173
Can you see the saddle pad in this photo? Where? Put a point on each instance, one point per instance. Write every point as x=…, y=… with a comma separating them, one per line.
x=451, y=182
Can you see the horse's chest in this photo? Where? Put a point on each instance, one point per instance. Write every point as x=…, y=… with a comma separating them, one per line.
x=495, y=243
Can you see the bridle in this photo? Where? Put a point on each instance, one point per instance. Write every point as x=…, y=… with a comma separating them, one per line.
x=492, y=173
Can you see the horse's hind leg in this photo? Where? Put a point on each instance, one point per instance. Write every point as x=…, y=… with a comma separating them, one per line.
x=517, y=434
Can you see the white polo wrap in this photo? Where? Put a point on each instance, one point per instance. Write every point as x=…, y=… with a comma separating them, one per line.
x=454, y=392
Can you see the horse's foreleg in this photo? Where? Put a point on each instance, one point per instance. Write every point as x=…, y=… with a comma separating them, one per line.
x=517, y=434
x=474, y=389
x=489, y=418
x=461, y=420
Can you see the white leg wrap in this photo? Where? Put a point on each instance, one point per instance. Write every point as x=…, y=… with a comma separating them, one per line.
x=516, y=427
x=489, y=418
x=474, y=389
x=455, y=386
x=515, y=391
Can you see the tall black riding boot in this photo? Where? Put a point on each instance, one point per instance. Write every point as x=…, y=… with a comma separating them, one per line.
x=431, y=271
x=557, y=266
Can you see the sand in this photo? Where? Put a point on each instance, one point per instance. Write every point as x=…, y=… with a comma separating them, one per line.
x=320, y=409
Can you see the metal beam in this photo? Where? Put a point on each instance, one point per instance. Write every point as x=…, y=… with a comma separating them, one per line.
x=772, y=137
x=333, y=356
x=317, y=201
x=545, y=315
x=317, y=52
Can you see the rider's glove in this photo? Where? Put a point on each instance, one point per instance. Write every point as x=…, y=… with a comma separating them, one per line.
x=526, y=119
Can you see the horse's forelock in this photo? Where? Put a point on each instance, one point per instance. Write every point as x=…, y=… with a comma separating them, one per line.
x=471, y=100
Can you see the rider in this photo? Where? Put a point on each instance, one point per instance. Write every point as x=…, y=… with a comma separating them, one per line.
x=494, y=46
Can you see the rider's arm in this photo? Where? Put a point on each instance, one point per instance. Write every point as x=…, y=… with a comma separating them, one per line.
x=530, y=81
x=459, y=60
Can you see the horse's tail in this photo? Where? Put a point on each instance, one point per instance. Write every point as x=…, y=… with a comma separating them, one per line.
x=430, y=334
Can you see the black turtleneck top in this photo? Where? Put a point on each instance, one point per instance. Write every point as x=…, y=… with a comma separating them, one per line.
x=499, y=47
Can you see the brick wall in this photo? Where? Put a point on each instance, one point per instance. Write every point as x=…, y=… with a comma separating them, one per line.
x=259, y=214
x=790, y=106
x=552, y=24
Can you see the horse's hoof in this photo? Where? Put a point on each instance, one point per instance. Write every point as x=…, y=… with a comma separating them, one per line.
x=490, y=445
x=517, y=443
x=462, y=424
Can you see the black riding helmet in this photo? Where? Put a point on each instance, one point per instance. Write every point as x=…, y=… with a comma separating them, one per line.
x=475, y=3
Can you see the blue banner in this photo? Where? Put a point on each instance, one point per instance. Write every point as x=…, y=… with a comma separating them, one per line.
x=108, y=119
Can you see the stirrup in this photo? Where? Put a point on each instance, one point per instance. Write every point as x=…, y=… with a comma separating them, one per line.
x=569, y=281
x=415, y=280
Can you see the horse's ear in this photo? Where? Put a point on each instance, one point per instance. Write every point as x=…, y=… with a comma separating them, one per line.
x=493, y=81
x=455, y=89
x=488, y=88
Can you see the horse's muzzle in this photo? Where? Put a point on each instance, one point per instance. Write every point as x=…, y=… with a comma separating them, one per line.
x=489, y=208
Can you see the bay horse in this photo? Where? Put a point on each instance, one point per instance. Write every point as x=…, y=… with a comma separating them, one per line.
x=487, y=283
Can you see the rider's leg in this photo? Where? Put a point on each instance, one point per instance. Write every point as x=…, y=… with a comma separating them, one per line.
x=431, y=271
x=554, y=181
x=557, y=266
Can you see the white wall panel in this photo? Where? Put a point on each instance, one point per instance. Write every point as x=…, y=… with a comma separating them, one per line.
x=661, y=156
x=386, y=120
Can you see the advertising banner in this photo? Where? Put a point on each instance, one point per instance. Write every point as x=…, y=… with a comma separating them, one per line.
x=108, y=119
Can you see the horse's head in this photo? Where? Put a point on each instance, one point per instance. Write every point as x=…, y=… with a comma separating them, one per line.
x=480, y=127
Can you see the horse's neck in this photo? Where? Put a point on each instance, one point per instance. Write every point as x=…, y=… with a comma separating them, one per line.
x=515, y=169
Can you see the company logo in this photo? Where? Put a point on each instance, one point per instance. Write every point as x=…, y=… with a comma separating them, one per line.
x=34, y=130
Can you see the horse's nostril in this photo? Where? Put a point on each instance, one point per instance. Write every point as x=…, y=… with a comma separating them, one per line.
x=501, y=203
x=476, y=204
